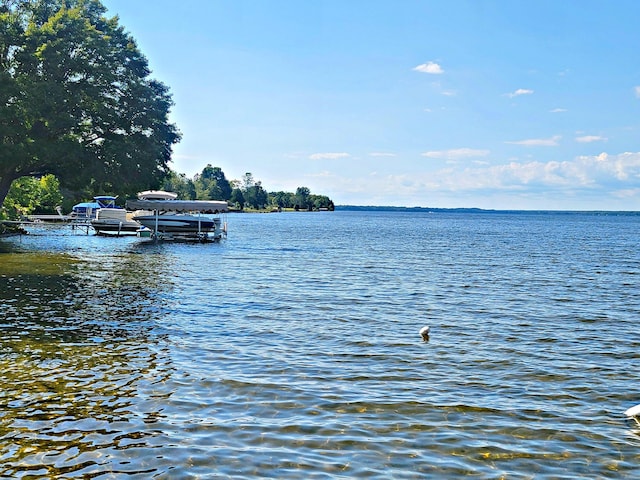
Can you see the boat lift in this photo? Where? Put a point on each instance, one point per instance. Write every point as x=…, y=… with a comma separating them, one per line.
x=182, y=212
x=201, y=235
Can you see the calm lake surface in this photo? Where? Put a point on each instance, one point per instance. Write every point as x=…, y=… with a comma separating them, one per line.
x=291, y=349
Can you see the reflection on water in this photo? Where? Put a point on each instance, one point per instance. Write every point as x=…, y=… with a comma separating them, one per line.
x=290, y=352
x=80, y=361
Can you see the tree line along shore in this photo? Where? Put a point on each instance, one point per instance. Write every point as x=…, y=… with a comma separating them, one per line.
x=80, y=116
x=44, y=195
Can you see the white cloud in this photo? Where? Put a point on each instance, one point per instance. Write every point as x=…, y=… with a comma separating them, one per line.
x=322, y=174
x=627, y=193
x=382, y=154
x=429, y=67
x=518, y=92
x=328, y=156
x=538, y=142
x=456, y=153
x=586, y=182
x=616, y=174
x=591, y=138
x=584, y=171
x=558, y=110
x=637, y=91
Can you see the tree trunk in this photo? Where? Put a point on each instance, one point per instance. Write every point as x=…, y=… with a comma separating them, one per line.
x=5, y=185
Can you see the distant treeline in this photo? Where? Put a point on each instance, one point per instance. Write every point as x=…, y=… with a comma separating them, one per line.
x=212, y=184
x=374, y=208
x=408, y=209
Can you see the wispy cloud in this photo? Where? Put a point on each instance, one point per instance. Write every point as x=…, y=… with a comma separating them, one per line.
x=382, y=154
x=637, y=91
x=456, y=153
x=558, y=110
x=597, y=177
x=518, y=92
x=593, y=171
x=627, y=193
x=591, y=138
x=583, y=171
x=587, y=180
x=538, y=142
x=429, y=67
x=328, y=156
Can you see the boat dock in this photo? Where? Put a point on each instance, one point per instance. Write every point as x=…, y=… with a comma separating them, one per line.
x=48, y=218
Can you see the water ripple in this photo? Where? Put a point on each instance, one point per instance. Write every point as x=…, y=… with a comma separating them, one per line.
x=286, y=352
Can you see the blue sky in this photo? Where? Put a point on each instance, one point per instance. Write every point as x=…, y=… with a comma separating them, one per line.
x=491, y=104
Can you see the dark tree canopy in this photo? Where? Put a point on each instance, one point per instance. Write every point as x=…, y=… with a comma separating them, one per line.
x=77, y=100
x=212, y=183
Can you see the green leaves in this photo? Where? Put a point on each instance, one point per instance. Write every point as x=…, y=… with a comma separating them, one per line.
x=28, y=195
x=76, y=100
x=212, y=184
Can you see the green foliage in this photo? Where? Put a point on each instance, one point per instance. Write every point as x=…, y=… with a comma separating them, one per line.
x=180, y=184
x=76, y=100
x=256, y=197
x=32, y=195
x=212, y=184
x=281, y=199
x=50, y=196
x=303, y=199
x=237, y=198
x=22, y=198
x=42, y=195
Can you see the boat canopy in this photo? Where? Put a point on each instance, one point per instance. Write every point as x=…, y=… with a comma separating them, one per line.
x=106, y=201
x=157, y=195
x=84, y=206
x=102, y=201
x=202, y=206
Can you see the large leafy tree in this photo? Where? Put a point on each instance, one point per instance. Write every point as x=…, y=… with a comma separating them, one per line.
x=302, y=198
x=212, y=184
x=77, y=100
x=256, y=196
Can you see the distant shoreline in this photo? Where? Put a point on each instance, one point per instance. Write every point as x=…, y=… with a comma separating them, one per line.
x=374, y=208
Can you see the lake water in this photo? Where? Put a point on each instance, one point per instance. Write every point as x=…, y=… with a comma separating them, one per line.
x=291, y=349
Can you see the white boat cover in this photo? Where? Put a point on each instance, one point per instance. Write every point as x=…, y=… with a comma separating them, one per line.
x=157, y=195
x=202, y=206
x=119, y=214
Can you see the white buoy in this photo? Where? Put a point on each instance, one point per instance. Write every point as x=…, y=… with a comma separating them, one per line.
x=424, y=332
x=633, y=412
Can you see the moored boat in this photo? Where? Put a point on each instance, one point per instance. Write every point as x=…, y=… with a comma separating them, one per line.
x=86, y=211
x=114, y=221
x=168, y=217
x=104, y=216
x=177, y=223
